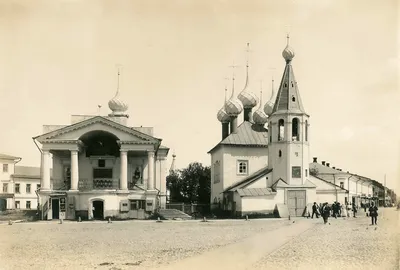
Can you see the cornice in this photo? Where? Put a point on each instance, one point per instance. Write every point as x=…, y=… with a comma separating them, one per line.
x=136, y=142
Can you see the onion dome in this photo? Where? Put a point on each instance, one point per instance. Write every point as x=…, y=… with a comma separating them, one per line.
x=259, y=117
x=116, y=105
x=233, y=107
x=269, y=106
x=288, y=52
x=222, y=116
x=248, y=98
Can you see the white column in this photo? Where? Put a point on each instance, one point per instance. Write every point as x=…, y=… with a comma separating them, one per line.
x=123, y=179
x=150, y=183
x=45, y=171
x=74, y=170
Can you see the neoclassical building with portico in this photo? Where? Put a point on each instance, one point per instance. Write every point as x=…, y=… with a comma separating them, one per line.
x=101, y=168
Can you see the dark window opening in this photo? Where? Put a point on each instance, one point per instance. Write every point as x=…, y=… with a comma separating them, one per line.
x=280, y=153
x=295, y=129
x=306, y=173
x=292, y=84
x=296, y=172
x=285, y=84
x=102, y=173
x=293, y=98
x=101, y=163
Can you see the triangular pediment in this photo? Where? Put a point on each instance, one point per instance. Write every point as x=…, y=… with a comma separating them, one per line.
x=97, y=123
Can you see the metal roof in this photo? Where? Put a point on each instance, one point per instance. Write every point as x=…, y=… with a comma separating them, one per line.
x=8, y=157
x=249, y=179
x=253, y=192
x=247, y=134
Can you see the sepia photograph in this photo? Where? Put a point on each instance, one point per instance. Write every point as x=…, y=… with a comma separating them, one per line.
x=200, y=134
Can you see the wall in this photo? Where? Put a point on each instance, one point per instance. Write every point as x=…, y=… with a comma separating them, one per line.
x=257, y=159
x=5, y=176
x=23, y=196
x=217, y=184
x=262, y=204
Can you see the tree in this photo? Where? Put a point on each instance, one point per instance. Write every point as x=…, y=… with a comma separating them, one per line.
x=190, y=185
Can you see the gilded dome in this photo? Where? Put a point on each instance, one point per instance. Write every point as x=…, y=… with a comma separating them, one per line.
x=116, y=105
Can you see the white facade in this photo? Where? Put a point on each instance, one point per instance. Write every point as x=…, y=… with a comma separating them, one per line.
x=101, y=168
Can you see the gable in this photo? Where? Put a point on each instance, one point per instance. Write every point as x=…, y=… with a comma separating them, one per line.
x=98, y=123
x=323, y=184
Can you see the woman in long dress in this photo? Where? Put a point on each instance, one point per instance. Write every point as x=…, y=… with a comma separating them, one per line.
x=344, y=210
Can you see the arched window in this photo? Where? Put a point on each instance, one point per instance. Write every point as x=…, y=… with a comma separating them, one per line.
x=295, y=130
x=293, y=98
x=281, y=130
x=306, y=135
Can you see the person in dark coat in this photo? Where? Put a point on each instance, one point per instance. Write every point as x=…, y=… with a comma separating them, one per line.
x=354, y=208
x=325, y=212
x=315, y=210
x=373, y=213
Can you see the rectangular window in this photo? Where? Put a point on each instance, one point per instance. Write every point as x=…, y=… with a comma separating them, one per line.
x=5, y=188
x=242, y=167
x=28, y=188
x=137, y=204
x=306, y=173
x=342, y=184
x=17, y=188
x=5, y=167
x=296, y=172
x=28, y=204
x=102, y=173
x=17, y=205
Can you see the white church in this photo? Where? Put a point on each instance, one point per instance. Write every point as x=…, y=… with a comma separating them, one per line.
x=262, y=164
x=101, y=168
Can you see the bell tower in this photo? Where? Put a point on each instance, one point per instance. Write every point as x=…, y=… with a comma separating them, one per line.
x=288, y=126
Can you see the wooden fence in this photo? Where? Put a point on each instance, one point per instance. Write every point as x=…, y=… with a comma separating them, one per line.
x=190, y=208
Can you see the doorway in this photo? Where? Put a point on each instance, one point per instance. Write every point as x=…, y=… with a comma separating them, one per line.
x=3, y=204
x=98, y=209
x=55, y=208
x=296, y=202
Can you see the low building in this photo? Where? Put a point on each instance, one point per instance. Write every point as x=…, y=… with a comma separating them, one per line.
x=7, y=168
x=26, y=181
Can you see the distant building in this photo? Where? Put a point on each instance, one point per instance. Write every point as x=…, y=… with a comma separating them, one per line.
x=19, y=185
x=102, y=168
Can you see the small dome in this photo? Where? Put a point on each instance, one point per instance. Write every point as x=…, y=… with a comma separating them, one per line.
x=269, y=106
x=288, y=53
x=259, y=117
x=248, y=99
x=222, y=116
x=233, y=107
x=116, y=105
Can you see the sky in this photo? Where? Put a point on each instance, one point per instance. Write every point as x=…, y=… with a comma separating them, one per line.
x=59, y=57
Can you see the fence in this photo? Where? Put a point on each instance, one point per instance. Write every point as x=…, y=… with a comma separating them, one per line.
x=190, y=208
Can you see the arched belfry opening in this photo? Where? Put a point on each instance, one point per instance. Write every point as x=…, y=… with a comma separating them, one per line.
x=100, y=143
x=295, y=129
x=281, y=130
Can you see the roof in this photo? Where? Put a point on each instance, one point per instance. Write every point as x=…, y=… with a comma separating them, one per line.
x=323, y=169
x=8, y=157
x=253, y=192
x=282, y=184
x=247, y=134
x=332, y=184
x=26, y=171
x=288, y=97
x=249, y=179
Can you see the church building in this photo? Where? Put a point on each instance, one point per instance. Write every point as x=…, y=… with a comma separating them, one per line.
x=101, y=168
x=257, y=169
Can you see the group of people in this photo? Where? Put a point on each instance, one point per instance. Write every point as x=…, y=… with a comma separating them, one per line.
x=339, y=210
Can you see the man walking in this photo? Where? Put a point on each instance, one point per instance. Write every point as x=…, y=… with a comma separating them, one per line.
x=325, y=212
x=315, y=210
x=373, y=213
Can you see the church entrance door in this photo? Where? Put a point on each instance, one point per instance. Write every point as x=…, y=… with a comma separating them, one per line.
x=98, y=209
x=296, y=202
x=55, y=208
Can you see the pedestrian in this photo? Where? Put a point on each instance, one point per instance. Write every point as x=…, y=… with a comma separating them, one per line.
x=315, y=210
x=373, y=213
x=354, y=208
x=325, y=212
x=344, y=211
x=339, y=209
x=334, y=209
